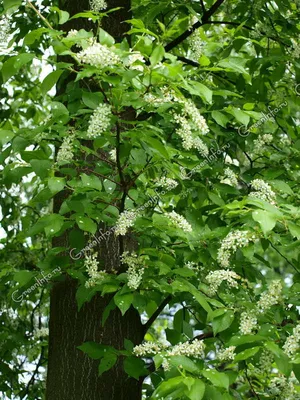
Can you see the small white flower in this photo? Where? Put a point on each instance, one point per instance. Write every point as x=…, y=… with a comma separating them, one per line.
x=147, y=348
x=196, y=45
x=98, y=55
x=179, y=221
x=230, y=178
x=271, y=297
x=71, y=34
x=226, y=354
x=263, y=191
x=248, y=322
x=194, y=349
x=261, y=142
x=166, y=183
x=136, y=61
x=98, y=5
x=65, y=152
x=43, y=332
x=126, y=220
x=135, y=270
x=99, y=121
x=113, y=155
x=291, y=345
x=91, y=265
x=215, y=279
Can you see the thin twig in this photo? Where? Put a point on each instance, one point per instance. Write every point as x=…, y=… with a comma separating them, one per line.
x=153, y=317
x=40, y=15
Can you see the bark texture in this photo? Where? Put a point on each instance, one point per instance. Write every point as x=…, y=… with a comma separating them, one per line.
x=71, y=374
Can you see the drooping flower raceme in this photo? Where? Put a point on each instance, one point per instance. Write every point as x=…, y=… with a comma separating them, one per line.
x=261, y=142
x=135, y=270
x=232, y=242
x=226, y=354
x=113, y=155
x=4, y=33
x=215, y=279
x=166, y=183
x=291, y=345
x=248, y=322
x=230, y=178
x=262, y=191
x=198, y=120
x=270, y=297
x=95, y=276
x=168, y=96
x=98, y=5
x=126, y=220
x=194, y=349
x=136, y=61
x=147, y=348
x=179, y=221
x=283, y=388
x=196, y=45
x=65, y=152
x=98, y=55
x=42, y=332
x=99, y=121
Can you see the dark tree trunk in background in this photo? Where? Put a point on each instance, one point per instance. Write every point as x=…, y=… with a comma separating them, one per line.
x=71, y=374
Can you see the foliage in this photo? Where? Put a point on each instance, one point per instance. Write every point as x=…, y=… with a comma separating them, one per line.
x=191, y=143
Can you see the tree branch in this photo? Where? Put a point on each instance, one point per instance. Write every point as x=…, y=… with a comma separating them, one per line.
x=197, y=25
x=153, y=317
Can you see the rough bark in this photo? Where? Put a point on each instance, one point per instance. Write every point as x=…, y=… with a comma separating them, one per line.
x=71, y=374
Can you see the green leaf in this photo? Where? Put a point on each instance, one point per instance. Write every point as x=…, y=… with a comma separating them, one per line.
x=54, y=224
x=266, y=220
x=135, y=367
x=294, y=229
x=199, y=89
x=14, y=64
x=41, y=167
x=50, y=81
x=245, y=354
x=6, y=136
x=219, y=379
x=185, y=362
x=196, y=392
x=23, y=277
x=123, y=301
x=86, y=224
x=239, y=115
x=11, y=3
x=96, y=350
x=157, y=54
x=91, y=181
x=105, y=38
x=220, y=118
x=56, y=184
x=107, y=362
x=92, y=100
x=171, y=385
x=157, y=146
x=223, y=322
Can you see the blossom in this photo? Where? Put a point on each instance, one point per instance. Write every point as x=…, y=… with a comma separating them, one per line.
x=4, y=32
x=167, y=183
x=226, y=354
x=261, y=142
x=198, y=120
x=126, y=220
x=165, y=364
x=194, y=349
x=113, y=155
x=215, y=278
x=231, y=243
x=91, y=266
x=42, y=332
x=147, y=348
x=98, y=5
x=179, y=221
x=65, y=152
x=184, y=132
x=248, y=322
x=136, y=269
x=265, y=361
x=291, y=345
x=71, y=34
x=270, y=297
x=262, y=191
x=196, y=45
x=167, y=96
x=99, y=121
x=230, y=178
x=98, y=55
x=282, y=387
x=201, y=147
x=135, y=61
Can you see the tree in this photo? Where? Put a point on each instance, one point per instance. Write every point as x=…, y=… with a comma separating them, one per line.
x=150, y=200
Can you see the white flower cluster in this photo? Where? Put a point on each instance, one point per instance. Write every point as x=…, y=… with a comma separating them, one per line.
x=99, y=121
x=91, y=266
x=179, y=221
x=4, y=33
x=168, y=96
x=147, y=348
x=65, y=152
x=226, y=354
x=215, y=279
x=135, y=270
x=291, y=346
x=189, y=141
x=270, y=297
x=126, y=220
x=232, y=242
x=42, y=332
x=198, y=120
x=194, y=349
x=262, y=191
x=71, y=34
x=282, y=387
x=248, y=322
x=196, y=45
x=193, y=266
x=98, y=55
x=166, y=365
x=166, y=183
x=136, y=61
x=265, y=361
x=98, y=5
x=261, y=142
x=296, y=49
x=230, y=178
x=113, y=155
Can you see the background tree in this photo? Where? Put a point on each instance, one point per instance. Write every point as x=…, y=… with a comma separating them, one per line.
x=163, y=171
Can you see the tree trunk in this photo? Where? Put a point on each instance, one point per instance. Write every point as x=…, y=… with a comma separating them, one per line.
x=71, y=374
